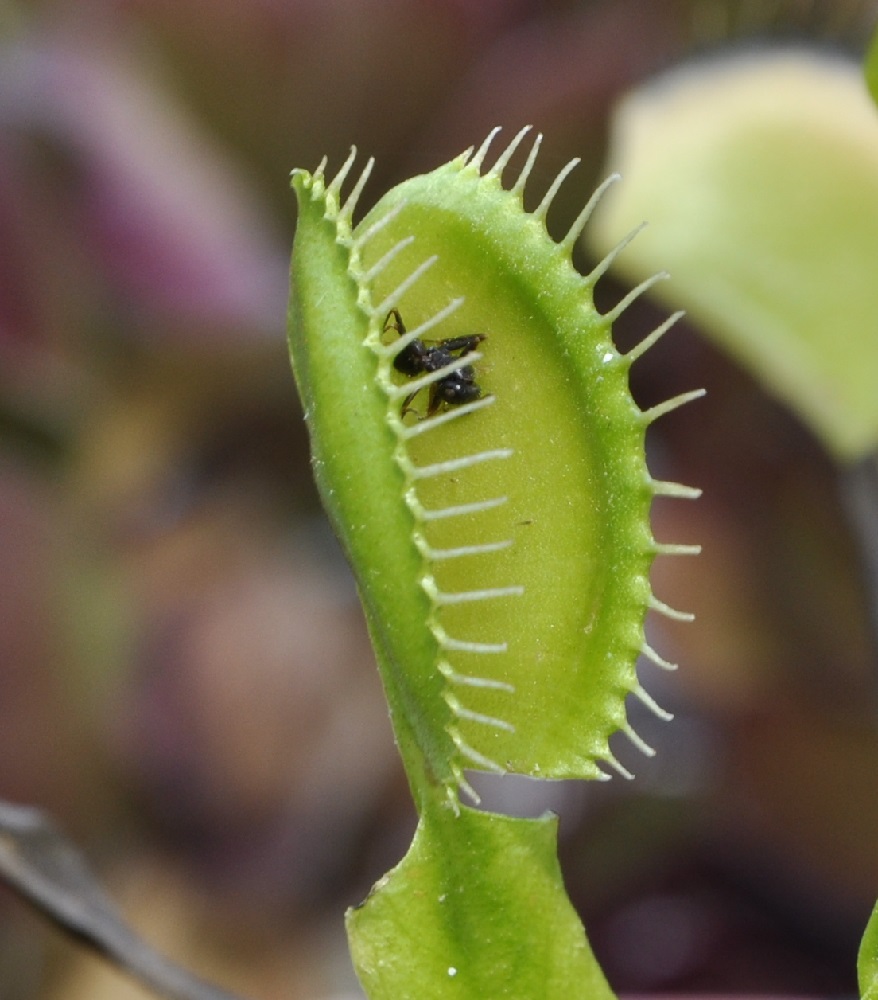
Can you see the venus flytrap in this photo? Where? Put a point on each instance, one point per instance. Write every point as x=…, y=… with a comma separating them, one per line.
x=867, y=960
x=501, y=544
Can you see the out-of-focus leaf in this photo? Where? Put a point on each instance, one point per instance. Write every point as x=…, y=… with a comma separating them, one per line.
x=476, y=909
x=872, y=67
x=48, y=872
x=167, y=217
x=759, y=177
x=867, y=960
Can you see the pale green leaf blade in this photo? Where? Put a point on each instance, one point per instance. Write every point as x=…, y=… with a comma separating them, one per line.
x=867, y=960
x=758, y=176
x=475, y=910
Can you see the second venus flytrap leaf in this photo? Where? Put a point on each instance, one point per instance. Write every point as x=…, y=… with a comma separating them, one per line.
x=482, y=460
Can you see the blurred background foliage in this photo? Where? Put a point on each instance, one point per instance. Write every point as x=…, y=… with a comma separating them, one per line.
x=185, y=681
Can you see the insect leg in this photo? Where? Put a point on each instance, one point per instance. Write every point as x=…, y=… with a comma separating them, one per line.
x=397, y=323
x=407, y=403
x=464, y=344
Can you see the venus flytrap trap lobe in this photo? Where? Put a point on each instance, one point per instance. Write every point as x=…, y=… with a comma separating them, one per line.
x=501, y=544
x=487, y=507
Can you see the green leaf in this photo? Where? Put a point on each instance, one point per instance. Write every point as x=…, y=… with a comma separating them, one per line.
x=871, y=68
x=500, y=540
x=759, y=177
x=476, y=909
x=867, y=960
x=502, y=547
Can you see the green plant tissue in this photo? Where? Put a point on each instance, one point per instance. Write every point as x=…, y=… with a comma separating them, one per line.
x=758, y=175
